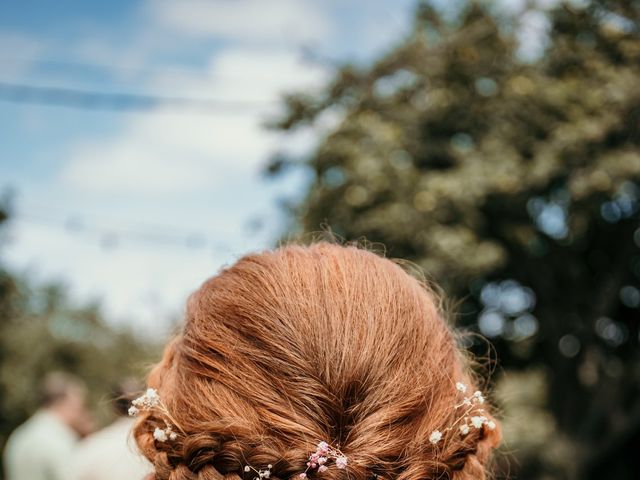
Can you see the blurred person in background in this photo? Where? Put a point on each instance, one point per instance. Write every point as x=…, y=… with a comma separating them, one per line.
x=110, y=452
x=42, y=447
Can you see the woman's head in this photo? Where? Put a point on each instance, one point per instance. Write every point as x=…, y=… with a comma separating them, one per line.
x=290, y=347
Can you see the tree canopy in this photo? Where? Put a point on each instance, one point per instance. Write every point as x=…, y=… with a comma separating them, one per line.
x=515, y=183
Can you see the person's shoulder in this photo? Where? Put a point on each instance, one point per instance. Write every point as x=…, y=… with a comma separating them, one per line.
x=98, y=452
x=24, y=432
x=111, y=436
x=29, y=443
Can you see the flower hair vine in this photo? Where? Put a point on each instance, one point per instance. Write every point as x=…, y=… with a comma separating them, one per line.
x=466, y=421
x=324, y=453
x=149, y=401
x=317, y=461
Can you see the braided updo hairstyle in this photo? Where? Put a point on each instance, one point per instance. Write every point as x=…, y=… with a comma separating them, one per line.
x=307, y=343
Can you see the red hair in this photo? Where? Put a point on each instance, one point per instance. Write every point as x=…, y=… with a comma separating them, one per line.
x=306, y=343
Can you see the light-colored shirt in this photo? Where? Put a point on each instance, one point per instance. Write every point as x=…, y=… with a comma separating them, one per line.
x=40, y=449
x=110, y=454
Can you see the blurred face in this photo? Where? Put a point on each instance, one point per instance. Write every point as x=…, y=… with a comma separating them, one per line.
x=75, y=399
x=73, y=411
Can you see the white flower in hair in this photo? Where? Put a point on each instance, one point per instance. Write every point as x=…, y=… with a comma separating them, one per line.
x=147, y=401
x=160, y=435
x=319, y=459
x=435, y=436
x=152, y=395
x=477, y=422
x=341, y=462
x=151, y=400
x=470, y=417
x=260, y=474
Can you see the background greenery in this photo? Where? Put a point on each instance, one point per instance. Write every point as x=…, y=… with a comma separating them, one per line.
x=513, y=180
x=42, y=331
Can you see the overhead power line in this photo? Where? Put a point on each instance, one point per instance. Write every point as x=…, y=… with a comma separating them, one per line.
x=112, y=235
x=94, y=100
x=130, y=70
x=91, y=67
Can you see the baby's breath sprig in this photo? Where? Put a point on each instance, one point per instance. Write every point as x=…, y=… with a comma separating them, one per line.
x=151, y=400
x=318, y=459
x=466, y=421
x=260, y=474
x=164, y=434
x=147, y=401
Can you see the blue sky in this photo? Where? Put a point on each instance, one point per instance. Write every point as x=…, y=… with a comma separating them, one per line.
x=105, y=201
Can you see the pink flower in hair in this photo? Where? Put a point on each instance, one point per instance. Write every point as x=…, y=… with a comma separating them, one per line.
x=318, y=459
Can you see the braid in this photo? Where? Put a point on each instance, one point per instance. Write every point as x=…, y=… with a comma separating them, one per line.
x=210, y=455
x=471, y=464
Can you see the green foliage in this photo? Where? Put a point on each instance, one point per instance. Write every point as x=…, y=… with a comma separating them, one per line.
x=41, y=331
x=516, y=186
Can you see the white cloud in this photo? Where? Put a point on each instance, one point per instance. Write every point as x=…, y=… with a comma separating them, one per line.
x=172, y=153
x=20, y=52
x=131, y=166
x=196, y=172
x=243, y=20
x=147, y=287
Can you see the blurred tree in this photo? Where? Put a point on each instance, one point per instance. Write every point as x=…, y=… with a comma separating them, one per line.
x=41, y=331
x=515, y=184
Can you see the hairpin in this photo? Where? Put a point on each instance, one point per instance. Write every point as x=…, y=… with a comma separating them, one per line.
x=148, y=401
x=466, y=421
x=318, y=459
